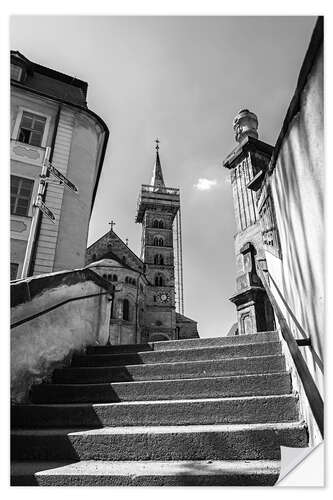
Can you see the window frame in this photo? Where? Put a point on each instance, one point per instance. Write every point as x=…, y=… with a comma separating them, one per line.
x=32, y=194
x=16, y=129
x=19, y=79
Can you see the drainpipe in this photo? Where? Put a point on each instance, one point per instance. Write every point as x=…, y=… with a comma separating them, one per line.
x=29, y=260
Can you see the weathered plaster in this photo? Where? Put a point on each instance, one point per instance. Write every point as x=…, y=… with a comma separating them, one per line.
x=49, y=340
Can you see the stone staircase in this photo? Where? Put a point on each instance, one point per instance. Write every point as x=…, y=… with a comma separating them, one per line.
x=211, y=411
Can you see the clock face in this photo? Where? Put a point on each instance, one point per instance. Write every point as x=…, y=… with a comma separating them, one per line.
x=164, y=297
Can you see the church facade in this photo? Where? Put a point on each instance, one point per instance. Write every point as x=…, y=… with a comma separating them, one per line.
x=144, y=307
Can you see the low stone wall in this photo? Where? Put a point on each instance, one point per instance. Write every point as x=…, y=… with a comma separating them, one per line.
x=53, y=316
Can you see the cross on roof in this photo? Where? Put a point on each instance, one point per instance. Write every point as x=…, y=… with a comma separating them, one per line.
x=157, y=144
x=111, y=224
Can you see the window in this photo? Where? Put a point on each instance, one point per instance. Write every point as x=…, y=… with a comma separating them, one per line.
x=126, y=310
x=159, y=281
x=31, y=129
x=159, y=260
x=114, y=277
x=20, y=195
x=15, y=72
x=13, y=270
x=158, y=223
x=158, y=242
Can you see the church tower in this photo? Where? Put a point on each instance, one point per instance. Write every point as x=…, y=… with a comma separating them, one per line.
x=158, y=206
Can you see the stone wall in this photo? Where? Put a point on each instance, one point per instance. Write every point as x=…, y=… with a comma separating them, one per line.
x=52, y=317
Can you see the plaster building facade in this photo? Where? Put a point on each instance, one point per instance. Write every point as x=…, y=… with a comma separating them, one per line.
x=144, y=305
x=49, y=114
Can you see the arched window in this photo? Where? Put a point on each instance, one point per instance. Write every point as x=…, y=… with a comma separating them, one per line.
x=161, y=224
x=158, y=242
x=126, y=310
x=127, y=279
x=158, y=259
x=94, y=257
x=159, y=280
x=105, y=277
x=134, y=281
x=109, y=277
x=114, y=277
x=124, y=259
x=155, y=223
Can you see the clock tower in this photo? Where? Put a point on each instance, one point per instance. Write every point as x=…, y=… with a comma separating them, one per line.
x=157, y=208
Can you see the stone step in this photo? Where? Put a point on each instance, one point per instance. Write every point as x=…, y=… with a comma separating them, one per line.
x=186, y=343
x=255, y=409
x=193, y=442
x=168, y=371
x=237, y=385
x=147, y=473
x=179, y=355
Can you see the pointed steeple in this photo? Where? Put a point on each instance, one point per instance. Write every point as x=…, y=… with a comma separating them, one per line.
x=157, y=178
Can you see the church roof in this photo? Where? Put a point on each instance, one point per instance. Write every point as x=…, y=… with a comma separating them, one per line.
x=111, y=246
x=157, y=178
x=180, y=318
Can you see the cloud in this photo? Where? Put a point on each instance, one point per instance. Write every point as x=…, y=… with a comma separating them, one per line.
x=205, y=184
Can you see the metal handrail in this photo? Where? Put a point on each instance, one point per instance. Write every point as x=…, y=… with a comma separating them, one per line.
x=55, y=306
x=311, y=390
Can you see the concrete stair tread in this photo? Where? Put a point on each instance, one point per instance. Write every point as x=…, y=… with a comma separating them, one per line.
x=178, y=355
x=227, y=386
x=162, y=429
x=175, y=364
x=165, y=402
x=185, y=343
x=168, y=442
x=148, y=472
x=247, y=409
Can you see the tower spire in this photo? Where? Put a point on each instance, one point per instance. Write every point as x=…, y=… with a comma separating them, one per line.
x=157, y=178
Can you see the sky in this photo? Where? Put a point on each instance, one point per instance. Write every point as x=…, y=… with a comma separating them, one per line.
x=183, y=80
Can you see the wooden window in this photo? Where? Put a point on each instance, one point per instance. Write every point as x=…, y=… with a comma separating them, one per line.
x=20, y=195
x=31, y=129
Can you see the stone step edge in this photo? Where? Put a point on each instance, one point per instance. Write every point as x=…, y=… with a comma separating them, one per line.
x=184, y=341
x=170, y=352
x=172, y=363
x=147, y=467
x=162, y=381
x=168, y=402
x=164, y=429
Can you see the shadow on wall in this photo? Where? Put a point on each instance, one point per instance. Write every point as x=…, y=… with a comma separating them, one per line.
x=297, y=183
